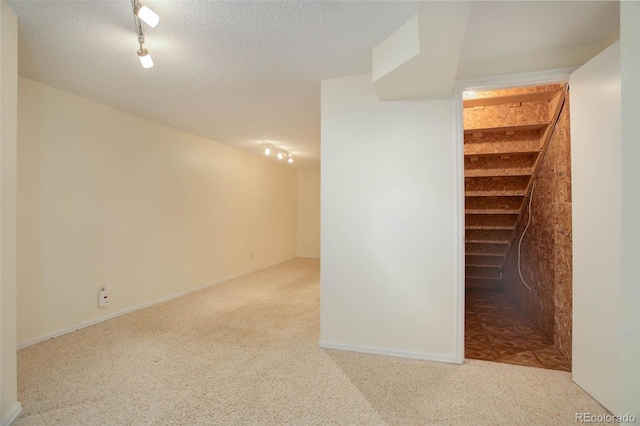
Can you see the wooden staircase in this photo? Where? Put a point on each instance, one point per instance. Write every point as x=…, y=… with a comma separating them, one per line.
x=505, y=138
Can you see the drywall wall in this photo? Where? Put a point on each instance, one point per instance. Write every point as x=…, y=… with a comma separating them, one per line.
x=629, y=310
x=9, y=406
x=597, y=207
x=388, y=209
x=106, y=198
x=309, y=213
x=400, y=64
x=546, y=247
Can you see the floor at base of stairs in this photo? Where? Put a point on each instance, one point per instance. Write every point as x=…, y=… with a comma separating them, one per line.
x=496, y=330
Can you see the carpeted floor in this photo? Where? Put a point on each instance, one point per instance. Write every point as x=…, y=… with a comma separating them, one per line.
x=246, y=352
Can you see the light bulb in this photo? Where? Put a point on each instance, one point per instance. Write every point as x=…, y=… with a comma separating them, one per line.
x=145, y=58
x=147, y=15
x=280, y=156
x=290, y=159
x=267, y=151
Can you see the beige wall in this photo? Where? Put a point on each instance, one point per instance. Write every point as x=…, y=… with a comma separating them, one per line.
x=109, y=198
x=309, y=213
x=9, y=407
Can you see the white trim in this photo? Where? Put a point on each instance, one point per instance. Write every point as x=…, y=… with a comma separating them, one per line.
x=387, y=352
x=12, y=414
x=458, y=203
x=58, y=333
x=533, y=78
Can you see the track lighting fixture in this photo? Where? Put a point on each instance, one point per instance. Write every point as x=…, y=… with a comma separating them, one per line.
x=147, y=15
x=268, y=147
x=145, y=58
x=143, y=13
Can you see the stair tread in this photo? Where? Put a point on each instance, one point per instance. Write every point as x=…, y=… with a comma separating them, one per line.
x=491, y=228
x=492, y=211
x=499, y=172
x=498, y=193
x=483, y=278
x=481, y=265
x=483, y=273
x=498, y=255
x=483, y=261
x=481, y=241
x=521, y=127
x=488, y=183
x=499, y=153
x=501, y=100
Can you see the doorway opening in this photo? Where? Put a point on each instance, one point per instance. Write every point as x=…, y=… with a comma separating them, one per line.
x=517, y=188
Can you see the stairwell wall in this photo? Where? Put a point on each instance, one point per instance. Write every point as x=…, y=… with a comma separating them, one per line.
x=546, y=247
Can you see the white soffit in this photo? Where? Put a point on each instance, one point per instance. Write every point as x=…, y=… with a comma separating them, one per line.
x=421, y=58
x=518, y=36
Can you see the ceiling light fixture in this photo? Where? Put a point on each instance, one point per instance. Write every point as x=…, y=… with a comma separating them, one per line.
x=268, y=147
x=145, y=58
x=147, y=15
x=143, y=13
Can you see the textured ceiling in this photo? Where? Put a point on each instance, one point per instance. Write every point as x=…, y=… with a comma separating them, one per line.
x=234, y=72
x=241, y=72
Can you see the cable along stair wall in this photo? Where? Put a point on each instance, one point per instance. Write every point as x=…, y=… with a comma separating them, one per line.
x=505, y=139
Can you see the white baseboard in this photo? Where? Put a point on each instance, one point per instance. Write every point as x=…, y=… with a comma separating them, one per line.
x=389, y=352
x=12, y=414
x=58, y=333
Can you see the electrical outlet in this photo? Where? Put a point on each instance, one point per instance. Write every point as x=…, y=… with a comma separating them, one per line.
x=103, y=297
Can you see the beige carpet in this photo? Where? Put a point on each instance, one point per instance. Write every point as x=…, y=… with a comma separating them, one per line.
x=246, y=352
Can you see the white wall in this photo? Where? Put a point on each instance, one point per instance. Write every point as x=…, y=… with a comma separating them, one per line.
x=9, y=407
x=109, y=198
x=309, y=213
x=414, y=62
x=630, y=223
x=596, y=234
x=388, y=232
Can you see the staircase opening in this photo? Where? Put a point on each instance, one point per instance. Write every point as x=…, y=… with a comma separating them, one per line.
x=518, y=226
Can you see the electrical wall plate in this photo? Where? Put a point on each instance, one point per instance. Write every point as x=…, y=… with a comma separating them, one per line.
x=103, y=297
